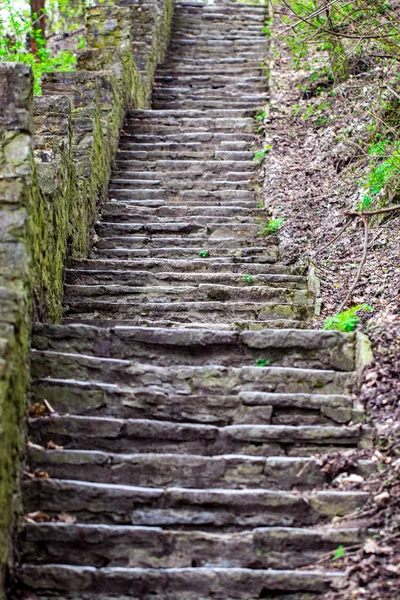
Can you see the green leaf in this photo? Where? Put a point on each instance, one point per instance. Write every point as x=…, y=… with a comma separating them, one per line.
x=339, y=552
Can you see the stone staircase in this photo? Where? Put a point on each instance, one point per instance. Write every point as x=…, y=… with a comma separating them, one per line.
x=179, y=408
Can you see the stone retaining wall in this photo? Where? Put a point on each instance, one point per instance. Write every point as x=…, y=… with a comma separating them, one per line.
x=56, y=153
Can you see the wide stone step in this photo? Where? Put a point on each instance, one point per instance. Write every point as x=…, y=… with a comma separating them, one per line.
x=203, y=168
x=185, y=470
x=190, y=380
x=169, y=584
x=169, y=292
x=199, y=242
x=288, y=348
x=188, y=252
x=188, y=137
x=146, y=547
x=184, y=153
x=214, y=508
x=181, y=211
x=141, y=436
x=262, y=408
x=207, y=85
x=147, y=146
x=216, y=104
x=204, y=265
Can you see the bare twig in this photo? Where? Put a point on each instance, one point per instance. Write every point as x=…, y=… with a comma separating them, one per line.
x=370, y=213
x=360, y=267
x=337, y=236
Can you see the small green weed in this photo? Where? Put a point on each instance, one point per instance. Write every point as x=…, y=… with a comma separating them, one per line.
x=273, y=227
x=340, y=552
x=260, y=155
x=204, y=253
x=249, y=279
x=262, y=362
x=346, y=320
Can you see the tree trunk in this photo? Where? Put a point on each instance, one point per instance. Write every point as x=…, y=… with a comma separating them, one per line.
x=39, y=21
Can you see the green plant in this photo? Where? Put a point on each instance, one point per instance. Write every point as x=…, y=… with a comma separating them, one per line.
x=346, y=320
x=15, y=29
x=340, y=552
x=273, y=227
x=260, y=155
x=262, y=362
x=249, y=279
x=204, y=253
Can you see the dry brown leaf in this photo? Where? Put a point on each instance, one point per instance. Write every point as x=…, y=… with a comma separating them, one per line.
x=53, y=446
x=65, y=518
x=37, y=410
x=36, y=517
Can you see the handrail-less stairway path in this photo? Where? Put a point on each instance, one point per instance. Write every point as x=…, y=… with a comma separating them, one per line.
x=178, y=468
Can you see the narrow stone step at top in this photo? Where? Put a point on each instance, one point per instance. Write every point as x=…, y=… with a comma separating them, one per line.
x=167, y=584
x=214, y=508
x=209, y=103
x=208, y=85
x=207, y=312
x=186, y=470
x=170, y=292
x=146, y=547
x=143, y=436
x=95, y=277
x=204, y=265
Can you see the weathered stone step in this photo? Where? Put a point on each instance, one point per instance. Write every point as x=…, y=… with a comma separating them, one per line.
x=190, y=116
x=213, y=265
x=169, y=584
x=146, y=547
x=166, y=167
x=217, y=227
x=185, y=153
x=170, y=292
x=187, y=137
x=185, y=470
x=196, y=380
x=148, y=278
x=209, y=103
x=184, y=145
x=151, y=436
x=266, y=254
x=257, y=409
x=208, y=312
x=214, y=508
x=291, y=347
x=176, y=201
x=196, y=242
x=206, y=85
x=180, y=209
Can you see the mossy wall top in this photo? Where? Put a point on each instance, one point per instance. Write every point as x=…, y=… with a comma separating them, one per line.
x=56, y=153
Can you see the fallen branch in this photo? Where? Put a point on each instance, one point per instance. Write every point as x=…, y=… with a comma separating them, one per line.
x=347, y=222
x=363, y=259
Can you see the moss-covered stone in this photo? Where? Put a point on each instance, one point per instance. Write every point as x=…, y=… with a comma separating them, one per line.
x=55, y=164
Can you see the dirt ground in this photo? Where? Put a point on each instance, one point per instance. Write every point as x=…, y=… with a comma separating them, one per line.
x=315, y=170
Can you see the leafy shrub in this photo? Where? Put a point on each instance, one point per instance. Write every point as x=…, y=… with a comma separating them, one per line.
x=346, y=320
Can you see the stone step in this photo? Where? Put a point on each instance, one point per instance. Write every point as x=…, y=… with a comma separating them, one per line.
x=185, y=470
x=194, y=380
x=179, y=209
x=184, y=153
x=215, y=227
x=207, y=104
x=204, y=265
x=208, y=85
x=164, y=168
x=266, y=254
x=291, y=347
x=206, y=312
x=169, y=584
x=187, y=137
x=96, y=277
x=168, y=292
x=146, y=547
x=245, y=408
x=143, y=436
x=196, y=242
x=184, y=145
x=213, y=508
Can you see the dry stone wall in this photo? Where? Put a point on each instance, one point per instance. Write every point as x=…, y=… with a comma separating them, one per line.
x=56, y=153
